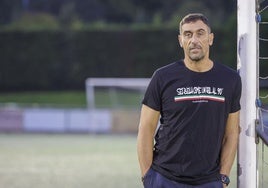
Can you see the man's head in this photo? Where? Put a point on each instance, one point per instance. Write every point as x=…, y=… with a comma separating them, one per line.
x=195, y=37
x=193, y=18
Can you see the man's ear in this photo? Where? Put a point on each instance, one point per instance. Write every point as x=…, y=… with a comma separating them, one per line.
x=211, y=39
x=180, y=40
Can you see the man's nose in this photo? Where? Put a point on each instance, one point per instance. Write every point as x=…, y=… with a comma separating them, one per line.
x=194, y=39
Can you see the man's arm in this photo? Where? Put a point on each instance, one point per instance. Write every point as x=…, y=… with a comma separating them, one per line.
x=230, y=143
x=148, y=123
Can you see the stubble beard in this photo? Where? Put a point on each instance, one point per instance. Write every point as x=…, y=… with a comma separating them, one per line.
x=196, y=57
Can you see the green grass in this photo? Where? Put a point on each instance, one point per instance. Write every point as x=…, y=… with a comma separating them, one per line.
x=71, y=98
x=108, y=98
x=79, y=160
x=263, y=93
x=82, y=160
x=68, y=161
x=263, y=164
x=104, y=98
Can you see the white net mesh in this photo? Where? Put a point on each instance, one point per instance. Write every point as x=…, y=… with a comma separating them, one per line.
x=262, y=127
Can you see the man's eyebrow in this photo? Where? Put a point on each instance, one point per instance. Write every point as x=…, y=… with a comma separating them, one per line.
x=187, y=31
x=201, y=29
x=190, y=31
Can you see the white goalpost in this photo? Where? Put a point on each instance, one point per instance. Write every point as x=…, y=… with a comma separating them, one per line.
x=248, y=69
x=113, y=87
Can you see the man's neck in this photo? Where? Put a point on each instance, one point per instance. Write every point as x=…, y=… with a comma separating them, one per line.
x=199, y=66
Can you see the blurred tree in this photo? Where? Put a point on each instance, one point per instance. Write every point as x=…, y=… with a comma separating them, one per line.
x=185, y=8
x=169, y=8
x=221, y=10
x=34, y=21
x=117, y=11
x=5, y=10
x=67, y=15
x=9, y=10
x=50, y=6
x=88, y=11
x=122, y=11
x=148, y=8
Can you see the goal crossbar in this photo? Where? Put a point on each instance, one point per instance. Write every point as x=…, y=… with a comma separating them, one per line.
x=118, y=82
x=127, y=83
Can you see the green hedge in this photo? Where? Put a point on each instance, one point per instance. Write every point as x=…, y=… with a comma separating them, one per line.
x=61, y=60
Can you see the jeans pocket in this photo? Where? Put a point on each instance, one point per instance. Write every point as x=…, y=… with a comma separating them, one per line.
x=147, y=178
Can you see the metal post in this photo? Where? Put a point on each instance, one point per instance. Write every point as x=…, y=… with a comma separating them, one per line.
x=90, y=94
x=247, y=66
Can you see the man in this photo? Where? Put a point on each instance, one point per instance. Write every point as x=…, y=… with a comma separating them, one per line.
x=197, y=102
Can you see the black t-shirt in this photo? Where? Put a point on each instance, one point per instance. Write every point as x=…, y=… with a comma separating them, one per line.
x=194, y=107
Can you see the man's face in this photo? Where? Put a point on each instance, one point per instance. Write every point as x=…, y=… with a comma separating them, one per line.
x=195, y=39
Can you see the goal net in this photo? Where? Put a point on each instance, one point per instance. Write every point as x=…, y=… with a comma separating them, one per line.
x=261, y=102
x=115, y=93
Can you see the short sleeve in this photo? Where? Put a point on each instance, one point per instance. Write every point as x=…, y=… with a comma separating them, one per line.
x=152, y=97
x=235, y=106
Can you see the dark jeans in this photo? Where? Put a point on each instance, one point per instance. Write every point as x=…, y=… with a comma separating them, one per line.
x=154, y=179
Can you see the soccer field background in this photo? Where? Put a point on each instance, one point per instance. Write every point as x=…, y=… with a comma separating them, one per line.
x=72, y=160
x=68, y=161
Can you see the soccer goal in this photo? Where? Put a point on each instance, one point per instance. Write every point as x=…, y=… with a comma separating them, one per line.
x=115, y=92
x=262, y=123
x=252, y=151
x=247, y=67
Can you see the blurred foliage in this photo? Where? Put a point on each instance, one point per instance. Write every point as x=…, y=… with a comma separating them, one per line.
x=65, y=12
x=57, y=44
x=38, y=21
x=63, y=59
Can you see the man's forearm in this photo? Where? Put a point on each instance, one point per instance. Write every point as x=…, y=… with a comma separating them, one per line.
x=145, y=143
x=145, y=151
x=230, y=143
x=229, y=149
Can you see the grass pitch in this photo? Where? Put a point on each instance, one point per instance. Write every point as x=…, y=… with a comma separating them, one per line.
x=75, y=160
x=68, y=161
x=104, y=98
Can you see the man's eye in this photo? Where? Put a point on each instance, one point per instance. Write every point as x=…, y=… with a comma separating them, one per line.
x=188, y=34
x=201, y=33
